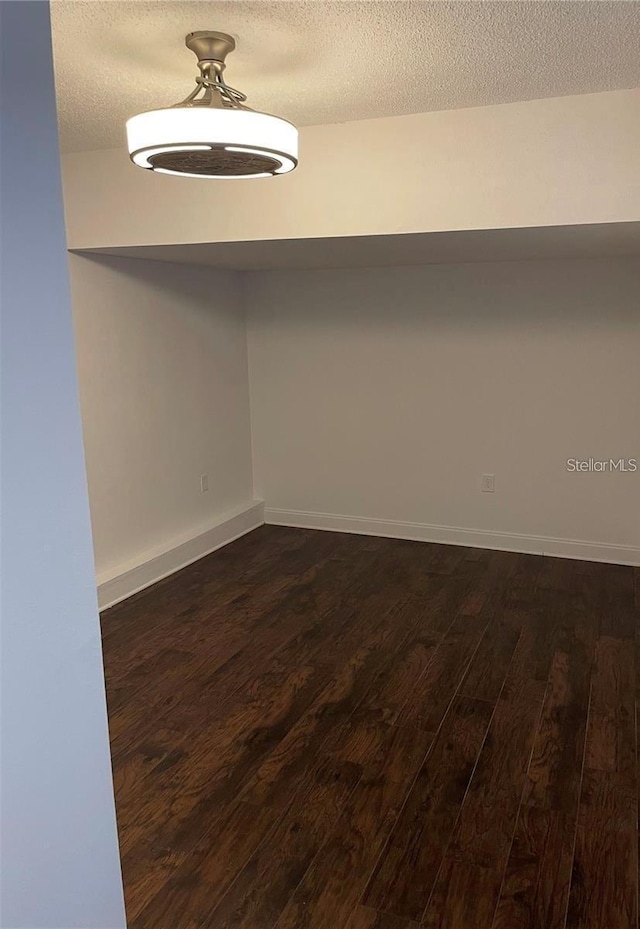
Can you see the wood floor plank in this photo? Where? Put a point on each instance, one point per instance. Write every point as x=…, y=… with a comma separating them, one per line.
x=604, y=886
x=330, y=711
x=263, y=887
x=235, y=750
x=220, y=651
x=406, y=872
x=490, y=663
x=555, y=771
x=498, y=780
x=524, y=583
x=231, y=749
x=482, y=838
x=611, y=743
x=228, y=573
x=203, y=609
x=192, y=873
x=394, y=684
x=332, y=885
x=363, y=917
x=464, y=896
x=428, y=701
x=535, y=889
x=283, y=646
x=618, y=618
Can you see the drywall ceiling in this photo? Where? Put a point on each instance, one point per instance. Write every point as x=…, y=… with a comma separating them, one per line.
x=324, y=61
x=585, y=241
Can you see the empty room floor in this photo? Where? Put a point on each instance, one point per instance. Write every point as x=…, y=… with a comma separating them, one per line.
x=312, y=729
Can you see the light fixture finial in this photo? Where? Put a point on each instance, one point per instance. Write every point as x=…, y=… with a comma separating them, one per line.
x=210, y=46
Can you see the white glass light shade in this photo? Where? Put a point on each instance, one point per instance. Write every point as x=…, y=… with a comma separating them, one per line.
x=240, y=143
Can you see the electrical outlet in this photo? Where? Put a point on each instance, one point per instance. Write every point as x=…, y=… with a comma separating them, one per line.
x=488, y=483
x=204, y=483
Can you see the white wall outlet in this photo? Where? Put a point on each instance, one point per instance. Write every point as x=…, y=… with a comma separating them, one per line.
x=204, y=483
x=488, y=483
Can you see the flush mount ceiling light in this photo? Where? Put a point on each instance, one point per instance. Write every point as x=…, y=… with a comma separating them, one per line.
x=212, y=133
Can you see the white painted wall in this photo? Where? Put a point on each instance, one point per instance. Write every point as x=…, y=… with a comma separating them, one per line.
x=59, y=847
x=385, y=394
x=162, y=361
x=556, y=161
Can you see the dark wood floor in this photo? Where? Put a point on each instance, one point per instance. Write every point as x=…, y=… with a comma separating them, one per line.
x=320, y=730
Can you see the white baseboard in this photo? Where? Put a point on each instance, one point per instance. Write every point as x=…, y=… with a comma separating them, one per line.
x=117, y=585
x=474, y=538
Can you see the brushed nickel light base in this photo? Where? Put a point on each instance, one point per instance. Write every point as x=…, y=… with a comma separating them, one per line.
x=210, y=46
x=211, y=50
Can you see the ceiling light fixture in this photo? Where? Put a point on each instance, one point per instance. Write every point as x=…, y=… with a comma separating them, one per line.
x=212, y=133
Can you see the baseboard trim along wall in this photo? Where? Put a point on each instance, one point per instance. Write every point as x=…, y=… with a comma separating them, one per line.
x=474, y=538
x=153, y=566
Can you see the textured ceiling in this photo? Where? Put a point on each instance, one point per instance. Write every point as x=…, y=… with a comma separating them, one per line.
x=325, y=61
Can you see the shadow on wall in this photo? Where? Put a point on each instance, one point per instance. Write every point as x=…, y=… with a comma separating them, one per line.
x=562, y=295
x=162, y=363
